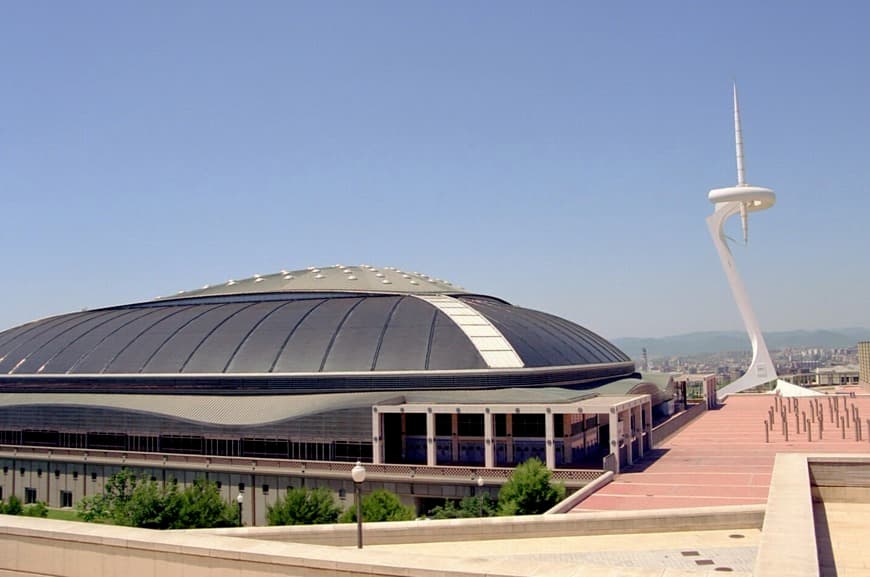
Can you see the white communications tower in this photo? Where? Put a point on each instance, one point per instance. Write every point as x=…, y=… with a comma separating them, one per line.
x=741, y=199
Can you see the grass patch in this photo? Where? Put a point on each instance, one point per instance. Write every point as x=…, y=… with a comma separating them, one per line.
x=63, y=515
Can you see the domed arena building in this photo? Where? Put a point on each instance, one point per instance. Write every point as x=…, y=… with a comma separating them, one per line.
x=325, y=364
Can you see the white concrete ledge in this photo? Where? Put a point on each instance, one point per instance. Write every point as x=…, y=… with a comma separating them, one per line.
x=788, y=539
x=530, y=526
x=577, y=497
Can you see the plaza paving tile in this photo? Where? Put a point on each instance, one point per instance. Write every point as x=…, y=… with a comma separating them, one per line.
x=723, y=458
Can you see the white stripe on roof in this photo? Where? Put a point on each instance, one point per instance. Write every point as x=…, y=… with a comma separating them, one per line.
x=496, y=350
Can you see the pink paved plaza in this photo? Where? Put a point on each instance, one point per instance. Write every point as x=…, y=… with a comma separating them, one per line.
x=722, y=458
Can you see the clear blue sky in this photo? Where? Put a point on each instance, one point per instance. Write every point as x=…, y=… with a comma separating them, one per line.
x=555, y=154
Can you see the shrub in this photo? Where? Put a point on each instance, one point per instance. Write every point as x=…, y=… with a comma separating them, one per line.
x=468, y=507
x=38, y=509
x=380, y=505
x=12, y=507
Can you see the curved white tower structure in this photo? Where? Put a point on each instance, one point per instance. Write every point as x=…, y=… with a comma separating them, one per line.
x=741, y=199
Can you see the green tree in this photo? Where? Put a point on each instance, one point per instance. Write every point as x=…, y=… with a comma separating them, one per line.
x=530, y=490
x=380, y=505
x=304, y=507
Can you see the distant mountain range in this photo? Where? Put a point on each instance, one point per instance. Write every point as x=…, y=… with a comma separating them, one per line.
x=718, y=342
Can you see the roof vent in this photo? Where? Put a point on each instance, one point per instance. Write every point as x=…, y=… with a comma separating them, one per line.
x=231, y=282
x=414, y=282
x=379, y=274
x=318, y=276
x=351, y=277
x=386, y=281
x=258, y=279
x=288, y=277
x=204, y=287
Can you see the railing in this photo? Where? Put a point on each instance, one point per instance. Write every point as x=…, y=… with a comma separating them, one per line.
x=670, y=427
x=331, y=469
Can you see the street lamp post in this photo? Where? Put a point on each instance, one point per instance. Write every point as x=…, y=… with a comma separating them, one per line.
x=480, y=483
x=358, y=474
x=240, y=499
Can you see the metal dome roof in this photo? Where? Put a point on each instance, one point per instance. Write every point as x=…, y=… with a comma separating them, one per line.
x=263, y=330
x=336, y=278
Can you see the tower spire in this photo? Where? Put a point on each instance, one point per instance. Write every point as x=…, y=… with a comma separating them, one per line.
x=738, y=141
x=741, y=172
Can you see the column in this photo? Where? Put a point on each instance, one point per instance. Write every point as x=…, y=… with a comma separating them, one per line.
x=647, y=407
x=430, y=439
x=550, y=441
x=629, y=452
x=614, y=437
x=377, y=437
x=488, y=440
x=639, y=429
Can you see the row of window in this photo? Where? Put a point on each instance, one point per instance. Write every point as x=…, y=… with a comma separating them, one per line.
x=522, y=425
x=193, y=445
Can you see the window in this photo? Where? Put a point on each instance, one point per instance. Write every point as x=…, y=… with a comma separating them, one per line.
x=470, y=425
x=528, y=425
x=66, y=498
x=443, y=425
x=93, y=476
x=29, y=495
x=241, y=487
x=415, y=424
x=265, y=489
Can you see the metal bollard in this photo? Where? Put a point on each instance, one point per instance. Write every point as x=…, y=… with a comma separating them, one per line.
x=842, y=427
x=857, y=432
x=785, y=430
x=797, y=423
x=809, y=430
x=766, y=432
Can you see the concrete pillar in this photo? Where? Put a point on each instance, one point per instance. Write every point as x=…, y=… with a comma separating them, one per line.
x=639, y=430
x=629, y=450
x=431, y=455
x=488, y=440
x=377, y=438
x=549, y=439
x=648, y=425
x=614, y=438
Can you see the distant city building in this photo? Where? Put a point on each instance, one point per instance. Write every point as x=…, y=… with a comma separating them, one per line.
x=841, y=375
